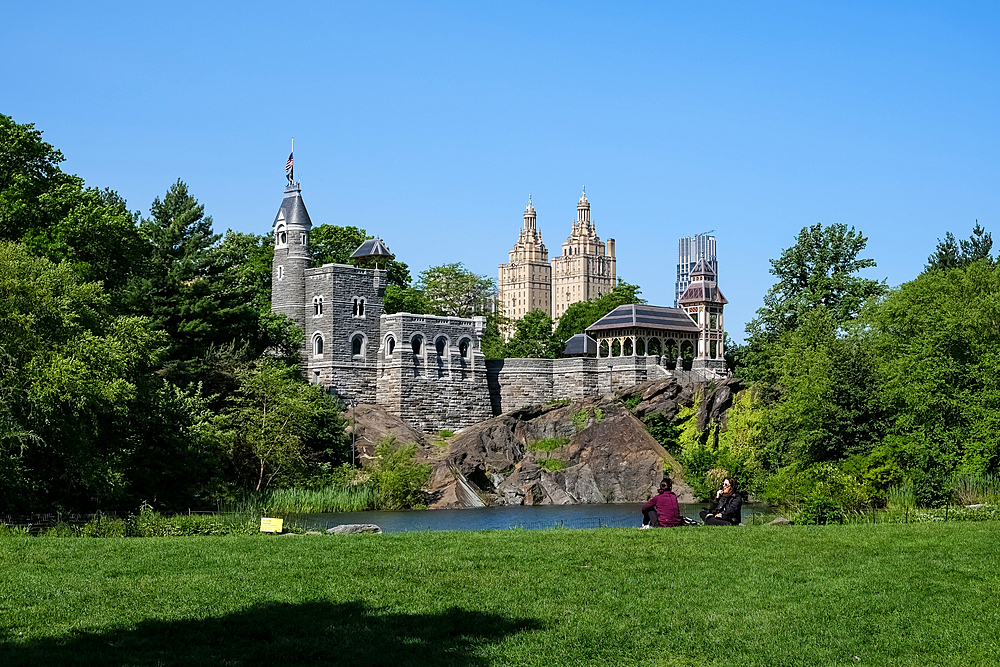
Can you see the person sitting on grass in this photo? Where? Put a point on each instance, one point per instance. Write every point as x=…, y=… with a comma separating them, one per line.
x=726, y=509
x=662, y=511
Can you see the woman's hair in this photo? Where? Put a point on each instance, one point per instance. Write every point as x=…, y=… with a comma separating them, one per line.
x=733, y=487
x=666, y=485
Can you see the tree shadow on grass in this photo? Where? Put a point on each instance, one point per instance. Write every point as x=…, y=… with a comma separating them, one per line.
x=311, y=633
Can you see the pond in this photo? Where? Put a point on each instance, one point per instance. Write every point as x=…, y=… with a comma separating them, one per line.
x=501, y=518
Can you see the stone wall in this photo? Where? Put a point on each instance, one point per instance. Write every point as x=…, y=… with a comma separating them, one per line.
x=518, y=383
x=431, y=371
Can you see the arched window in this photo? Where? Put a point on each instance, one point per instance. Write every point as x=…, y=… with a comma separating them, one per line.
x=440, y=344
x=317, y=306
x=417, y=343
x=318, y=345
x=280, y=236
x=359, y=307
x=465, y=349
x=390, y=345
x=358, y=345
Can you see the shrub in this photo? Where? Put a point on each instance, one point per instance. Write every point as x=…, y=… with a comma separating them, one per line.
x=552, y=464
x=580, y=419
x=548, y=444
x=398, y=478
x=598, y=414
x=932, y=489
x=445, y=433
x=103, y=526
x=820, y=510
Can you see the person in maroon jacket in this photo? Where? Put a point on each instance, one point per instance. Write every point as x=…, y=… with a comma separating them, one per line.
x=661, y=510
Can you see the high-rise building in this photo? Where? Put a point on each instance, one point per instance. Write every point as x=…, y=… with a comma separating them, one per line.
x=585, y=270
x=526, y=280
x=689, y=251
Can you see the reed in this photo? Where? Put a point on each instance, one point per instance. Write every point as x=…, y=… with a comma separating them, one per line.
x=977, y=489
x=350, y=498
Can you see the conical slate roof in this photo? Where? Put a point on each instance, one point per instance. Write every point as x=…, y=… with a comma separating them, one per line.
x=293, y=209
x=702, y=269
x=703, y=287
x=372, y=248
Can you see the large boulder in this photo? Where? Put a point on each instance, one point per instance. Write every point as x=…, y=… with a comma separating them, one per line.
x=608, y=457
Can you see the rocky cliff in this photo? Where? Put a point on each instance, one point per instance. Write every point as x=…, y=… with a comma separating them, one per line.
x=591, y=451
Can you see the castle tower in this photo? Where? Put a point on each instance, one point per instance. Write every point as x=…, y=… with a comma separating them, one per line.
x=526, y=280
x=703, y=302
x=291, y=229
x=586, y=269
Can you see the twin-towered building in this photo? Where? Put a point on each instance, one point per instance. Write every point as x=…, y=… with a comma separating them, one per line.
x=585, y=270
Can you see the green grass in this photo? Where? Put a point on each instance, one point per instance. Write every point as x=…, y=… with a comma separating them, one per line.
x=552, y=464
x=918, y=594
x=547, y=444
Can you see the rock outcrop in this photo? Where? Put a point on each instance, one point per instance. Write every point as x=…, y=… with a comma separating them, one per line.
x=591, y=451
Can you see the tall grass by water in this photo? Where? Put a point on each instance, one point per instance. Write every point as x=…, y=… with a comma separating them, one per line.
x=350, y=498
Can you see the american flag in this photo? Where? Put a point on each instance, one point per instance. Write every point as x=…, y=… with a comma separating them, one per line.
x=288, y=165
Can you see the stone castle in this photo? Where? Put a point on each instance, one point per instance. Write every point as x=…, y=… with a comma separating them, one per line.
x=431, y=372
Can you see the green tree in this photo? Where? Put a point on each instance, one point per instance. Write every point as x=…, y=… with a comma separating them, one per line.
x=56, y=217
x=936, y=348
x=952, y=254
x=819, y=270
x=332, y=244
x=532, y=337
x=269, y=421
x=451, y=289
x=79, y=420
x=580, y=315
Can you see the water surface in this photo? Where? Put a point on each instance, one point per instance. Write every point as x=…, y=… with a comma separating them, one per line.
x=501, y=518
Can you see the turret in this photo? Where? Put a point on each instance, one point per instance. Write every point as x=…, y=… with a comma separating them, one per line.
x=291, y=229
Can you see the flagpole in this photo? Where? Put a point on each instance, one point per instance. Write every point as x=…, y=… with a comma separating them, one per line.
x=293, y=163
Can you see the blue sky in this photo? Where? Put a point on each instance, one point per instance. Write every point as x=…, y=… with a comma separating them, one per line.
x=429, y=123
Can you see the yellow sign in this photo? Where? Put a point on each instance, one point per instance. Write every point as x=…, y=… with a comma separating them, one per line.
x=270, y=525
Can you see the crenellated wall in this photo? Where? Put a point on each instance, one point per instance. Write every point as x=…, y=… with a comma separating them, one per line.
x=431, y=371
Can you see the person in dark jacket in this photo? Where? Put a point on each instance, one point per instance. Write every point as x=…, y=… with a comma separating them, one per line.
x=726, y=509
x=661, y=510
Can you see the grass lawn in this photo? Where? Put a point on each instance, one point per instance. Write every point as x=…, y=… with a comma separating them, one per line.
x=918, y=594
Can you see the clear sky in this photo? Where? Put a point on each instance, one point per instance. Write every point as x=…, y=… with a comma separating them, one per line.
x=429, y=123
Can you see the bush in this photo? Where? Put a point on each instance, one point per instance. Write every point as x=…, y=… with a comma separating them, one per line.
x=820, y=510
x=552, y=464
x=932, y=489
x=398, y=478
x=547, y=444
x=580, y=419
x=102, y=526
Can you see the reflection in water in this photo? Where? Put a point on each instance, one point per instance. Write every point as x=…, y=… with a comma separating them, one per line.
x=501, y=518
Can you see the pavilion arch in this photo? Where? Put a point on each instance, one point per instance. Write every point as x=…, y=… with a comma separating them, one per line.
x=687, y=353
x=627, y=347
x=654, y=348
x=602, y=350
x=640, y=347
x=616, y=348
